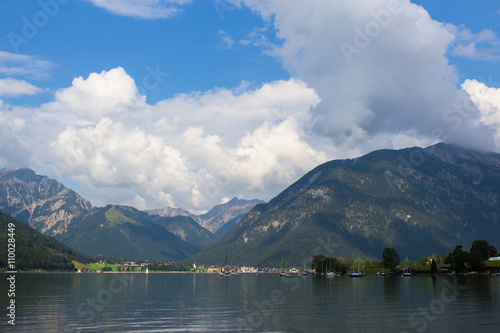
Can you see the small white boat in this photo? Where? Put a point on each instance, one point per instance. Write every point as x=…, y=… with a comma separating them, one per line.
x=357, y=274
x=147, y=270
x=286, y=275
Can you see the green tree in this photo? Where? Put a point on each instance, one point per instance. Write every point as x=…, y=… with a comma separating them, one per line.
x=475, y=260
x=423, y=261
x=390, y=258
x=486, y=250
x=434, y=269
x=458, y=258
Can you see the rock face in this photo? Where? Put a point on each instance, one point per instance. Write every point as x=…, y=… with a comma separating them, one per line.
x=39, y=201
x=419, y=201
x=217, y=218
x=163, y=234
x=171, y=212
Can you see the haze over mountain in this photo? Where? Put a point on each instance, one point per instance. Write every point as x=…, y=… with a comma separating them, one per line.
x=420, y=201
x=224, y=215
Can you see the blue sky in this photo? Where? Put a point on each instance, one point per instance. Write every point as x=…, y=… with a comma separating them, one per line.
x=186, y=103
x=83, y=39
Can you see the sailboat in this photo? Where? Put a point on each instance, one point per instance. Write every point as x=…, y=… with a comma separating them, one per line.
x=286, y=275
x=357, y=274
x=147, y=270
x=406, y=271
x=224, y=272
x=330, y=273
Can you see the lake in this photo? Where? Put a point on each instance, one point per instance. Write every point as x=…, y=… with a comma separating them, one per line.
x=186, y=302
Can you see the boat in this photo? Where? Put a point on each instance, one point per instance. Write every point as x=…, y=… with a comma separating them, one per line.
x=330, y=274
x=224, y=271
x=286, y=275
x=357, y=274
x=407, y=272
x=147, y=270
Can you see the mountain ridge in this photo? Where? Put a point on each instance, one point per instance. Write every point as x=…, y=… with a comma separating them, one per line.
x=419, y=200
x=39, y=201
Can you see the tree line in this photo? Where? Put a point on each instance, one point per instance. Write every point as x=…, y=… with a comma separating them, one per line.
x=458, y=260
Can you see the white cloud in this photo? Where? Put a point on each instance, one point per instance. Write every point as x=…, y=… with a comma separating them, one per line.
x=100, y=94
x=227, y=41
x=12, y=64
x=483, y=45
x=379, y=66
x=488, y=101
x=189, y=151
x=394, y=87
x=14, y=88
x=143, y=9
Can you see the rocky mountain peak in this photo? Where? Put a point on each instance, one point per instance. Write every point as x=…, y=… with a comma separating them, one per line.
x=39, y=201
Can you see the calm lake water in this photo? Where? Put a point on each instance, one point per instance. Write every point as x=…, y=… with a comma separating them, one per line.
x=169, y=302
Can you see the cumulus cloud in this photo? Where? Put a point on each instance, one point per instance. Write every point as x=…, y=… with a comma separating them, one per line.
x=190, y=151
x=368, y=74
x=488, y=101
x=379, y=66
x=100, y=94
x=10, y=87
x=143, y=9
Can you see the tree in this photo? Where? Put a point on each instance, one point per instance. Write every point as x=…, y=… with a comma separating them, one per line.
x=486, y=250
x=434, y=269
x=423, y=261
x=475, y=260
x=458, y=258
x=390, y=258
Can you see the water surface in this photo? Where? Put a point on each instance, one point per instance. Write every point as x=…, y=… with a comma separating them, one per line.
x=170, y=302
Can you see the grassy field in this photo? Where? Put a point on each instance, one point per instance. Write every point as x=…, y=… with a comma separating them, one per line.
x=97, y=267
x=493, y=264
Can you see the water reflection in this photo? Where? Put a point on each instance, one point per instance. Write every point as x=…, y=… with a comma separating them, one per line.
x=131, y=302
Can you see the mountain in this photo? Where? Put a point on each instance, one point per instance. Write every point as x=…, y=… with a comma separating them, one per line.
x=125, y=232
x=186, y=229
x=34, y=250
x=171, y=212
x=234, y=210
x=219, y=219
x=163, y=234
x=39, y=201
x=420, y=201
